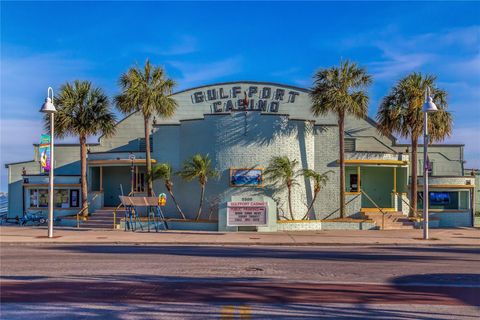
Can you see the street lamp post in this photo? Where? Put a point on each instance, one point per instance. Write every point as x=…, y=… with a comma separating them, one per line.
x=132, y=170
x=49, y=108
x=428, y=107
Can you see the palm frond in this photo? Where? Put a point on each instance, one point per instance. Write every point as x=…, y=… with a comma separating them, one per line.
x=198, y=167
x=341, y=89
x=147, y=90
x=401, y=110
x=82, y=110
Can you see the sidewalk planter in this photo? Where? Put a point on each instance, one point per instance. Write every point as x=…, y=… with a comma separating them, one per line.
x=202, y=225
x=299, y=225
x=174, y=224
x=348, y=225
x=309, y=225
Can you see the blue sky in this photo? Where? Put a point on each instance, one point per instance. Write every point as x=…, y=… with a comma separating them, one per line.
x=45, y=44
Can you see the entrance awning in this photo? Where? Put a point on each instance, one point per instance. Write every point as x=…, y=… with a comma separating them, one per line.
x=376, y=162
x=119, y=162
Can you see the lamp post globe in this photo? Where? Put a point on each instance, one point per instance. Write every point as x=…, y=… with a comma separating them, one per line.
x=49, y=108
x=428, y=107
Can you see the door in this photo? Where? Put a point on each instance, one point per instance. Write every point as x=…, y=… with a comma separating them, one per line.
x=114, y=180
x=377, y=183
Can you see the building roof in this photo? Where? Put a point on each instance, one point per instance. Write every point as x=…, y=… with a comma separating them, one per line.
x=19, y=162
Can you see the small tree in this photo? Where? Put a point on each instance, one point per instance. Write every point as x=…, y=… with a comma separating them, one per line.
x=281, y=171
x=163, y=171
x=319, y=180
x=199, y=166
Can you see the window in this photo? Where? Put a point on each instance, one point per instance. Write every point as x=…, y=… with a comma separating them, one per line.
x=42, y=198
x=74, y=195
x=140, y=182
x=443, y=200
x=353, y=183
x=62, y=198
x=33, y=198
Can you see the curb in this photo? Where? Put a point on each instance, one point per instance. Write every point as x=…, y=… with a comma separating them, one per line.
x=277, y=244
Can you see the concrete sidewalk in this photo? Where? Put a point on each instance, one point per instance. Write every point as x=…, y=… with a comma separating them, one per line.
x=37, y=235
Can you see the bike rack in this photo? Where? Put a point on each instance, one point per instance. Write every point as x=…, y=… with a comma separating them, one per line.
x=133, y=209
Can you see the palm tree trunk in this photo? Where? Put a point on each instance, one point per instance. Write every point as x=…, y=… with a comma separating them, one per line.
x=199, y=213
x=83, y=174
x=290, y=201
x=311, y=205
x=413, y=183
x=146, y=122
x=169, y=189
x=341, y=134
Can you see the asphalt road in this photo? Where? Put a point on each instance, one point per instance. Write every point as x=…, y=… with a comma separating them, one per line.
x=255, y=282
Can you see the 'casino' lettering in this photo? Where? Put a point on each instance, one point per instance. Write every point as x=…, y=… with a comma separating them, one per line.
x=254, y=98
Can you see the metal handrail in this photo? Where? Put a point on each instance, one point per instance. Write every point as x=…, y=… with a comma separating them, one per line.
x=375, y=204
x=115, y=215
x=347, y=203
x=408, y=204
x=83, y=209
x=118, y=207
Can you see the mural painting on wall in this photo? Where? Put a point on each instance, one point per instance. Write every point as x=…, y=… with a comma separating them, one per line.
x=246, y=177
x=254, y=98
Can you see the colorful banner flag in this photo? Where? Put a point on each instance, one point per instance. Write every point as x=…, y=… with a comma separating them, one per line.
x=45, y=152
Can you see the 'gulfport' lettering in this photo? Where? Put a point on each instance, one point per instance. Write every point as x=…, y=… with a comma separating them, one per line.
x=255, y=98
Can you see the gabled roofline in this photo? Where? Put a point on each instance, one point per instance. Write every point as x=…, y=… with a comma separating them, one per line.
x=19, y=162
x=432, y=145
x=70, y=144
x=244, y=81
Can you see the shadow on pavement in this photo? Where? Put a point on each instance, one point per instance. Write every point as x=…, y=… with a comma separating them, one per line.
x=447, y=284
x=428, y=249
x=415, y=289
x=165, y=310
x=342, y=254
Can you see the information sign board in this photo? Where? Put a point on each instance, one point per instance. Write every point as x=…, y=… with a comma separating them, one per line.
x=243, y=213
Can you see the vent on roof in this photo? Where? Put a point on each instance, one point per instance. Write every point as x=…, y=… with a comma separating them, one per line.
x=349, y=145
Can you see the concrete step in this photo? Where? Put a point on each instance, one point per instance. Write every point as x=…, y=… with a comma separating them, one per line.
x=390, y=220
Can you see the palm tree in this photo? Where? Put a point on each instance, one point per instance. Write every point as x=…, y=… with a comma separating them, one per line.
x=82, y=111
x=281, y=171
x=341, y=90
x=319, y=180
x=401, y=113
x=147, y=91
x=199, y=166
x=163, y=171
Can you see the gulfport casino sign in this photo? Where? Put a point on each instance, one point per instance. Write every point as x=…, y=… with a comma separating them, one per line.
x=254, y=98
